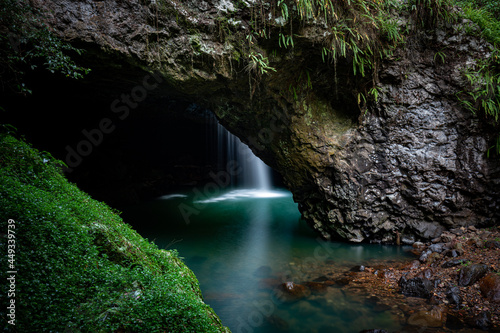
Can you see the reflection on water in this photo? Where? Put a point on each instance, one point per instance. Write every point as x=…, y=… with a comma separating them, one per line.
x=243, y=244
x=244, y=193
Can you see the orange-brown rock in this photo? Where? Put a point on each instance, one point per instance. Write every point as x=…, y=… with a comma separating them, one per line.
x=490, y=287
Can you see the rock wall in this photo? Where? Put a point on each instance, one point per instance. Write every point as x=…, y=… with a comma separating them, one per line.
x=416, y=164
x=410, y=164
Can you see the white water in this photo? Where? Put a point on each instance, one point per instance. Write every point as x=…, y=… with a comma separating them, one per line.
x=255, y=174
x=254, y=179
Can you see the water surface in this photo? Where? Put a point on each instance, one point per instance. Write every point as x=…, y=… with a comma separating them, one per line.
x=243, y=243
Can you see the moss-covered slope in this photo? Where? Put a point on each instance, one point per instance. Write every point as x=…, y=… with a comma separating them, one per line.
x=79, y=267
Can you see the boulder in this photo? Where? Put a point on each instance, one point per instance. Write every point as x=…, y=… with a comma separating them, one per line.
x=451, y=253
x=492, y=244
x=416, y=287
x=433, y=257
x=481, y=320
x=447, y=237
x=358, y=268
x=471, y=274
x=490, y=287
x=438, y=247
x=291, y=291
x=453, y=295
x=435, y=317
x=317, y=287
x=425, y=255
x=412, y=265
x=453, y=263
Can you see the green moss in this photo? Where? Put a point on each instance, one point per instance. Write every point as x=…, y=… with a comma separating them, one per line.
x=80, y=268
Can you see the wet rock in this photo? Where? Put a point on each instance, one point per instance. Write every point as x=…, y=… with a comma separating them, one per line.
x=418, y=245
x=425, y=255
x=451, y=253
x=482, y=321
x=491, y=244
x=385, y=274
x=317, y=287
x=416, y=253
x=459, y=246
x=412, y=265
x=447, y=237
x=457, y=231
x=343, y=281
x=453, y=263
x=322, y=279
x=416, y=287
x=433, y=257
x=490, y=287
x=439, y=247
x=408, y=239
x=373, y=331
x=290, y=291
x=471, y=274
x=435, y=240
x=472, y=228
x=435, y=317
x=477, y=241
x=453, y=295
x=359, y=268
x=377, y=304
x=426, y=273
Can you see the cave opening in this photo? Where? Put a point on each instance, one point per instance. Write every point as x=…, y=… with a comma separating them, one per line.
x=159, y=167
x=160, y=144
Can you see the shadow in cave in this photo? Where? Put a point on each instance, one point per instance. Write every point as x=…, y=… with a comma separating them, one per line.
x=161, y=146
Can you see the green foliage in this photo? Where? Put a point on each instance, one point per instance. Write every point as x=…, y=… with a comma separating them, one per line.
x=259, y=63
x=484, y=92
x=441, y=55
x=80, y=268
x=26, y=43
x=488, y=21
x=389, y=28
x=429, y=14
x=484, y=78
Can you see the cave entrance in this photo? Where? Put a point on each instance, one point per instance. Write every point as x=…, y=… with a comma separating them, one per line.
x=244, y=238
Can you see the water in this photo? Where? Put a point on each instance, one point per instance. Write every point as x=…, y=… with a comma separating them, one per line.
x=243, y=239
x=241, y=245
x=253, y=172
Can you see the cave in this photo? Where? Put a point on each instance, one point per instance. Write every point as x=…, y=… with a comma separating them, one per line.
x=359, y=112
x=152, y=145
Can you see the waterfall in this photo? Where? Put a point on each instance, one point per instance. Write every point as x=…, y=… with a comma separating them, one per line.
x=253, y=179
x=255, y=174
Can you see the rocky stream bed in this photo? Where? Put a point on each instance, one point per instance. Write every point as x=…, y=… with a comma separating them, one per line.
x=451, y=285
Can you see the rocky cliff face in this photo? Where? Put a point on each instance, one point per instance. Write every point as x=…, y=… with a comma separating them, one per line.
x=410, y=163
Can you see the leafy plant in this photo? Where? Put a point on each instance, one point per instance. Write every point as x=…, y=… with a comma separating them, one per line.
x=430, y=13
x=259, y=63
x=441, y=55
x=484, y=92
x=26, y=43
x=83, y=269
